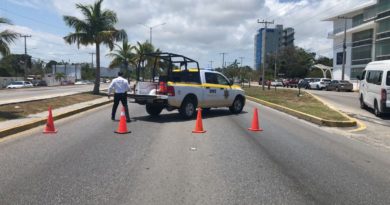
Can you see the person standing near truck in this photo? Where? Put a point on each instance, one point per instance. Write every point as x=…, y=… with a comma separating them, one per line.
x=121, y=86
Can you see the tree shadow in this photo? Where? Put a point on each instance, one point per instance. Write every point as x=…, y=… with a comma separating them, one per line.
x=176, y=117
x=11, y=115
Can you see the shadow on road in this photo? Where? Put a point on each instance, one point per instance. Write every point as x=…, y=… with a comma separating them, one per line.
x=175, y=117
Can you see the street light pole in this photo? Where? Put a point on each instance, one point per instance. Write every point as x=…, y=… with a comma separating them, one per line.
x=151, y=30
x=344, y=46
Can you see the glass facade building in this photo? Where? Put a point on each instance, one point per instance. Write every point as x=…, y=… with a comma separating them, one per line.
x=368, y=37
x=276, y=38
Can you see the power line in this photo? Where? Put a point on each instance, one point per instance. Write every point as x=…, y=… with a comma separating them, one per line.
x=30, y=19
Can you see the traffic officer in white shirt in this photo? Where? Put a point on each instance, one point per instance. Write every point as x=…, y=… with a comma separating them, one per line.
x=121, y=86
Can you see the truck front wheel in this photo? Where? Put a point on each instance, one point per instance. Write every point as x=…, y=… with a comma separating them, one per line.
x=154, y=109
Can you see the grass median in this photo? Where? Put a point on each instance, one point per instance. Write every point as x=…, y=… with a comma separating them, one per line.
x=289, y=98
x=22, y=110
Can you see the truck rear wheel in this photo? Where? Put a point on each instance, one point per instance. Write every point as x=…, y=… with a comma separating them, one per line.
x=188, y=107
x=237, y=105
x=154, y=109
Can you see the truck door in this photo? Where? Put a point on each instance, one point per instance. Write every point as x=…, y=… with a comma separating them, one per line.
x=217, y=90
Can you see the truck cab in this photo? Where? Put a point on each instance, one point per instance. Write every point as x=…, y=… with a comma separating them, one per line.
x=176, y=82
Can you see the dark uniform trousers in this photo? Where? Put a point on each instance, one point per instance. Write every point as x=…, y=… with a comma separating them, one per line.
x=123, y=98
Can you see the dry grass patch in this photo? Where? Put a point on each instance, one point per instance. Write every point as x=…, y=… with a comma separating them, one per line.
x=20, y=110
x=289, y=98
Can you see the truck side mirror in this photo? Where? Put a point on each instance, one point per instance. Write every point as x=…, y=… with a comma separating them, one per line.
x=358, y=77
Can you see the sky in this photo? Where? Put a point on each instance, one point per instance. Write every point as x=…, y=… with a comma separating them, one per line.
x=199, y=29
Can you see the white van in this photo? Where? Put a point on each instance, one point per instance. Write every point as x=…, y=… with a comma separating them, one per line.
x=375, y=87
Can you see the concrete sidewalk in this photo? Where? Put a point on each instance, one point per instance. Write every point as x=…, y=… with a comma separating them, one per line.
x=18, y=125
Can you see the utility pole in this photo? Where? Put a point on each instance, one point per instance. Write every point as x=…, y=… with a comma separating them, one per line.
x=263, y=49
x=211, y=64
x=25, y=53
x=25, y=42
x=344, y=46
x=276, y=56
x=92, y=58
x=223, y=59
x=242, y=82
x=241, y=61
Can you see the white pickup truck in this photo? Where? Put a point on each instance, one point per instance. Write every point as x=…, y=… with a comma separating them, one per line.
x=186, y=89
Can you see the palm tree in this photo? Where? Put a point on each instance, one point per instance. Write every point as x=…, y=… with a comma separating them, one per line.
x=6, y=37
x=122, y=55
x=141, y=49
x=97, y=28
x=59, y=76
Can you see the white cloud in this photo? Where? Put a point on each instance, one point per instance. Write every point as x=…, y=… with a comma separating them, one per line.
x=47, y=46
x=202, y=29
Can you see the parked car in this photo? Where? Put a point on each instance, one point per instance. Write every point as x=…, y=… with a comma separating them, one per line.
x=319, y=83
x=20, y=84
x=81, y=82
x=277, y=83
x=67, y=82
x=304, y=83
x=375, y=87
x=39, y=83
x=292, y=83
x=340, y=85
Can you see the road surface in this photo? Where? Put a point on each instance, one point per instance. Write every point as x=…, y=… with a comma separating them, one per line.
x=27, y=94
x=162, y=162
x=378, y=129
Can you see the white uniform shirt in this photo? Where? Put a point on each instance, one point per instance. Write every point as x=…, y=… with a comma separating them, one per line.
x=119, y=84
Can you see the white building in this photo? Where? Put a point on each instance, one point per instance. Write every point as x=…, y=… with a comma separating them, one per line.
x=71, y=72
x=367, y=37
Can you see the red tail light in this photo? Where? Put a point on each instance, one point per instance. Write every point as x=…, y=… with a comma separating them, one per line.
x=383, y=95
x=162, y=88
x=171, y=91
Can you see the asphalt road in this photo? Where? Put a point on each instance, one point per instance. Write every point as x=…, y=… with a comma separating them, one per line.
x=162, y=162
x=27, y=94
x=378, y=128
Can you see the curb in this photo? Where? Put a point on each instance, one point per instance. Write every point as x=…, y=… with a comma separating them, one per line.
x=307, y=117
x=361, y=126
x=10, y=131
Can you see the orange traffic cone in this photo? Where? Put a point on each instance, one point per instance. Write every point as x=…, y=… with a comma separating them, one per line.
x=199, y=124
x=122, y=128
x=50, y=124
x=255, y=122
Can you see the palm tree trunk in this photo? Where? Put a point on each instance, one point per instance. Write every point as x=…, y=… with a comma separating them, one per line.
x=96, y=88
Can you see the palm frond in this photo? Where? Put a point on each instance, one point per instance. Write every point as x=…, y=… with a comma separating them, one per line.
x=5, y=21
x=8, y=36
x=4, y=49
x=116, y=62
x=78, y=38
x=76, y=23
x=86, y=10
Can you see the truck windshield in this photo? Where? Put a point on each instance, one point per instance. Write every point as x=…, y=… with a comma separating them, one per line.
x=388, y=78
